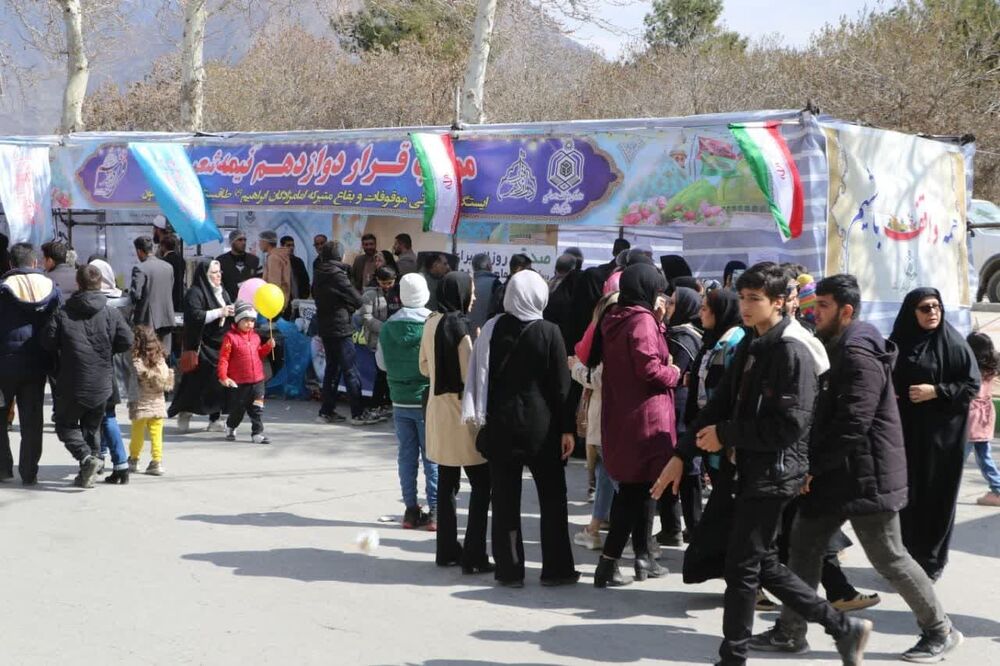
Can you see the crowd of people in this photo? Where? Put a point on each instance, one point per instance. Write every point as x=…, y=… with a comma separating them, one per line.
x=763, y=391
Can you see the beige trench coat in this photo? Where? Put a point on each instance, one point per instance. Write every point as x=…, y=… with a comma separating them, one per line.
x=450, y=441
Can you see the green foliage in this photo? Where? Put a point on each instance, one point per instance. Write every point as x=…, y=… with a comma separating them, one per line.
x=683, y=23
x=385, y=24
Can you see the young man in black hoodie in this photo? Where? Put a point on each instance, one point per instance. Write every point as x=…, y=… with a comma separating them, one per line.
x=28, y=300
x=857, y=472
x=760, y=416
x=85, y=335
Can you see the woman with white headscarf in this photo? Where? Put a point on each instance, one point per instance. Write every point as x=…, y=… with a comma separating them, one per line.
x=516, y=390
x=208, y=313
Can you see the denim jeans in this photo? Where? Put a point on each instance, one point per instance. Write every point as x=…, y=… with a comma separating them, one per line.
x=341, y=358
x=604, y=492
x=986, y=464
x=111, y=439
x=881, y=538
x=410, y=431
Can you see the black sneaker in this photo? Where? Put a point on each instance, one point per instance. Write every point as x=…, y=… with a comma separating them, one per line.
x=411, y=518
x=669, y=539
x=932, y=649
x=851, y=645
x=776, y=640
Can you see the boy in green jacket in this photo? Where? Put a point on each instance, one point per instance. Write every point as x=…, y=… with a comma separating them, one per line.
x=398, y=355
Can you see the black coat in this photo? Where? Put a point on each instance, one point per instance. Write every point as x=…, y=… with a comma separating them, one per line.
x=560, y=311
x=587, y=292
x=684, y=343
x=177, y=262
x=86, y=334
x=336, y=299
x=763, y=409
x=856, y=453
x=64, y=277
x=527, y=407
x=301, y=277
x=22, y=320
x=233, y=275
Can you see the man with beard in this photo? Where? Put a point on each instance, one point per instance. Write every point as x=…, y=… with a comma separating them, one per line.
x=363, y=269
x=857, y=473
x=238, y=265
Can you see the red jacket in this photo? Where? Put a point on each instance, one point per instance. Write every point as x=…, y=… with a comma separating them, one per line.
x=638, y=432
x=240, y=356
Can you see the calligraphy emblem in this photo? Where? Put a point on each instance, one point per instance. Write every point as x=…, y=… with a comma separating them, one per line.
x=111, y=172
x=518, y=181
x=565, y=173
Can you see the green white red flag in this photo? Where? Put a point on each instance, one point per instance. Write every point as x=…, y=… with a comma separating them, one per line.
x=442, y=187
x=773, y=168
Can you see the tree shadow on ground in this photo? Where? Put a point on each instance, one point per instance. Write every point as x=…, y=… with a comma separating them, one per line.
x=272, y=519
x=311, y=565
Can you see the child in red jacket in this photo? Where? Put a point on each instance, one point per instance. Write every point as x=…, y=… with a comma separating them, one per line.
x=242, y=371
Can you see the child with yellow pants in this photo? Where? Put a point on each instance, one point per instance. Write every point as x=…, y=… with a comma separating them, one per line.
x=148, y=411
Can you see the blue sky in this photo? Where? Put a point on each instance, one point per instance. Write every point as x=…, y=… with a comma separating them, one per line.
x=794, y=20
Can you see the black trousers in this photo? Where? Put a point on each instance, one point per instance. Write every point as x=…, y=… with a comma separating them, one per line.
x=247, y=399
x=751, y=562
x=29, y=393
x=549, y=475
x=630, y=514
x=380, y=390
x=78, y=428
x=473, y=552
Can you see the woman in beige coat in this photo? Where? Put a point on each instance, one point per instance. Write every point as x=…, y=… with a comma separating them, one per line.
x=451, y=443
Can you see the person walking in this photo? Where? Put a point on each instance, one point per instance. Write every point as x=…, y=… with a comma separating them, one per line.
x=207, y=313
x=761, y=414
x=336, y=301
x=936, y=378
x=28, y=300
x=85, y=335
x=237, y=265
x=638, y=431
x=152, y=292
x=147, y=409
x=516, y=391
x=857, y=473
x=398, y=355
x=983, y=416
x=444, y=359
x=241, y=370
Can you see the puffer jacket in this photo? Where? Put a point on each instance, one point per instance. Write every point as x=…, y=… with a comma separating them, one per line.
x=86, y=333
x=856, y=454
x=376, y=308
x=240, y=357
x=146, y=397
x=398, y=354
x=763, y=409
x=336, y=299
x=28, y=299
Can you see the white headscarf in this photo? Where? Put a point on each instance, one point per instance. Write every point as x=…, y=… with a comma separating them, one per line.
x=108, y=285
x=526, y=296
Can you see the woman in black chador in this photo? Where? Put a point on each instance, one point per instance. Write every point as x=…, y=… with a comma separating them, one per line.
x=936, y=377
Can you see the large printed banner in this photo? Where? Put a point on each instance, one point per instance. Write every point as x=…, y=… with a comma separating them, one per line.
x=683, y=177
x=897, y=214
x=25, y=191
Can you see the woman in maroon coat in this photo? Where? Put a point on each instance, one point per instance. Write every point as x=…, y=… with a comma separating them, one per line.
x=638, y=429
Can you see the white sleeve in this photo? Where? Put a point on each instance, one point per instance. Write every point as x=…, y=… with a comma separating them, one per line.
x=379, y=358
x=213, y=315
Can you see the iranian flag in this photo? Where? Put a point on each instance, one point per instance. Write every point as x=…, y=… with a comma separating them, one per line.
x=442, y=188
x=773, y=168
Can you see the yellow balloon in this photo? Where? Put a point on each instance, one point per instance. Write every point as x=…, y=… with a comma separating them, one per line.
x=269, y=301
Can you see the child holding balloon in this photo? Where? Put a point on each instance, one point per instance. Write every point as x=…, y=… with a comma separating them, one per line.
x=241, y=369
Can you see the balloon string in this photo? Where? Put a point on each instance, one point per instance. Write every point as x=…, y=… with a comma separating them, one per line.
x=270, y=330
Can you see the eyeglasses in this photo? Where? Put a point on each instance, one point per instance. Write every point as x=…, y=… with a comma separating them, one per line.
x=929, y=308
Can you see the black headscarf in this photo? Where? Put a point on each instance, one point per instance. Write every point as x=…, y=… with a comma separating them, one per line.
x=454, y=296
x=640, y=285
x=686, y=306
x=674, y=266
x=725, y=306
x=636, y=256
x=686, y=281
x=730, y=268
x=941, y=354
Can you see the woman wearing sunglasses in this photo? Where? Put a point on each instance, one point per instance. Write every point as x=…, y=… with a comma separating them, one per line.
x=936, y=378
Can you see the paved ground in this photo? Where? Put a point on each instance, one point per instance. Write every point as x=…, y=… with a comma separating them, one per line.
x=246, y=554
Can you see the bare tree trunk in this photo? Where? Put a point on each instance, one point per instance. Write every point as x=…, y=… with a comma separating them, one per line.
x=479, y=55
x=77, y=67
x=193, y=65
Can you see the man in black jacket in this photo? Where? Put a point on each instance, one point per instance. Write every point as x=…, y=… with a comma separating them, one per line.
x=170, y=252
x=857, y=472
x=760, y=415
x=300, y=276
x=336, y=300
x=58, y=270
x=85, y=334
x=28, y=299
x=238, y=265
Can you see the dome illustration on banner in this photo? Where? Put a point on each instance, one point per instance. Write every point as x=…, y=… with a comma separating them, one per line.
x=111, y=172
x=565, y=173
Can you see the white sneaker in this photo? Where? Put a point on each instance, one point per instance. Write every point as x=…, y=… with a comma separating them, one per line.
x=216, y=426
x=261, y=439
x=587, y=540
x=230, y=434
x=184, y=422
